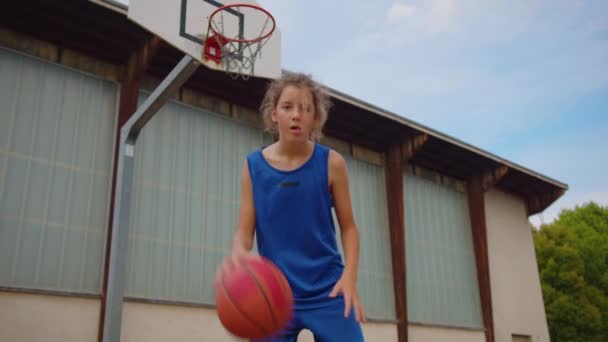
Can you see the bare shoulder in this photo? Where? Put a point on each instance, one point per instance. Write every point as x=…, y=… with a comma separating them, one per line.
x=245, y=175
x=338, y=185
x=336, y=160
x=337, y=166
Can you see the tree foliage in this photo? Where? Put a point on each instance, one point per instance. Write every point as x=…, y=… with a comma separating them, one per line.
x=572, y=255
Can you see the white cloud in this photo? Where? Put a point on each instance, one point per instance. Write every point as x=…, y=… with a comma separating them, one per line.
x=399, y=11
x=443, y=16
x=483, y=58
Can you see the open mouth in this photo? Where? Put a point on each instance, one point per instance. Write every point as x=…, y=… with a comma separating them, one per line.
x=295, y=129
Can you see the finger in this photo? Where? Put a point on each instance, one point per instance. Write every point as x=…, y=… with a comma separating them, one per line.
x=227, y=266
x=361, y=309
x=334, y=292
x=348, y=304
x=236, y=260
x=363, y=314
x=357, y=310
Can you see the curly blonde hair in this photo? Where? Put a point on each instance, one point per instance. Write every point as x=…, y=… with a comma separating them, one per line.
x=321, y=100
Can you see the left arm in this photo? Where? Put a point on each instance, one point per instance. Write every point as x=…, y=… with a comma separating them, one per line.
x=338, y=182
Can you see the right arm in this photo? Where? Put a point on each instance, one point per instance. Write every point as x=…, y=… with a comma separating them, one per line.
x=243, y=237
x=242, y=243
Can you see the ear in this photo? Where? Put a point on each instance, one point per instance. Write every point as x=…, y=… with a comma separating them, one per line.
x=273, y=116
x=317, y=120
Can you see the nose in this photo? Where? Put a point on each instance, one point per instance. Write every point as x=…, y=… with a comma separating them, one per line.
x=297, y=112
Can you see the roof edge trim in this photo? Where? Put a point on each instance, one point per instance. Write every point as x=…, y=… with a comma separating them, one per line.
x=392, y=116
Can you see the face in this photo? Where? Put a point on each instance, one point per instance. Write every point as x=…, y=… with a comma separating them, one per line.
x=294, y=114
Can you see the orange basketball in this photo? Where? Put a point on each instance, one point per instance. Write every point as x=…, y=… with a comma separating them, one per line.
x=254, y=300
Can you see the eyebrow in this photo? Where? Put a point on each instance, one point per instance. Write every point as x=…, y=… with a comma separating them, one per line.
x=305, y=106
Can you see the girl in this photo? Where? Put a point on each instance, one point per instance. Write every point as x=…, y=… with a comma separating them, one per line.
x=287, y=192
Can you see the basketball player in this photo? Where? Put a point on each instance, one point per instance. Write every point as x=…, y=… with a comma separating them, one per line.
x=288, y=190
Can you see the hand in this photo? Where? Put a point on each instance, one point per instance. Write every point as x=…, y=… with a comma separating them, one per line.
x=348, y=287
x=230, y=263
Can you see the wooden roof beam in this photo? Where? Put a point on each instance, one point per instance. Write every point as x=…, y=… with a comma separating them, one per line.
x=536, y=204
x=476, y=187
x=140, y=59
x=412, y=146
x=394, y=193
x=491, y=177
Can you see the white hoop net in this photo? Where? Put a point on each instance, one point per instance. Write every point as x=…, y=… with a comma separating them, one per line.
x=241, y=42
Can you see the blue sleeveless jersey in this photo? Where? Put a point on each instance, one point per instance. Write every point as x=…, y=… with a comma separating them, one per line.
x=294, y=225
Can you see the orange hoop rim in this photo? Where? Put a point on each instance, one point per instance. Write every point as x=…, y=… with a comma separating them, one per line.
x=236, y=40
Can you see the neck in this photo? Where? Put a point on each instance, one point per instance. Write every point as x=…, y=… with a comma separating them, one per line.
x=294, y=149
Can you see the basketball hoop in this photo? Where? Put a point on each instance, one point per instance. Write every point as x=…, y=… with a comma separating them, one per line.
x=237, y=48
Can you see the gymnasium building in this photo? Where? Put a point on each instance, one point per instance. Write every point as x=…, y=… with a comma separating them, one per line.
x=446, y=247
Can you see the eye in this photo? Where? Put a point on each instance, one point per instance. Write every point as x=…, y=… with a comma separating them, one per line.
x=306, y=108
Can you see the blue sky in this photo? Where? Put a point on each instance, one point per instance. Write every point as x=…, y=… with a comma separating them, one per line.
x=526, y=80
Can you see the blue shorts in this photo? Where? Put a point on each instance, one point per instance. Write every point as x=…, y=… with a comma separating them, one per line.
x=327, y=324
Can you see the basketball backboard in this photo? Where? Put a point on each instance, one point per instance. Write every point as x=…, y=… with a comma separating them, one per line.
x=184, y=24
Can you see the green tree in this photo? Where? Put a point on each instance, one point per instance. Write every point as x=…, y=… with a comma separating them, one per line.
x=572, y=255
